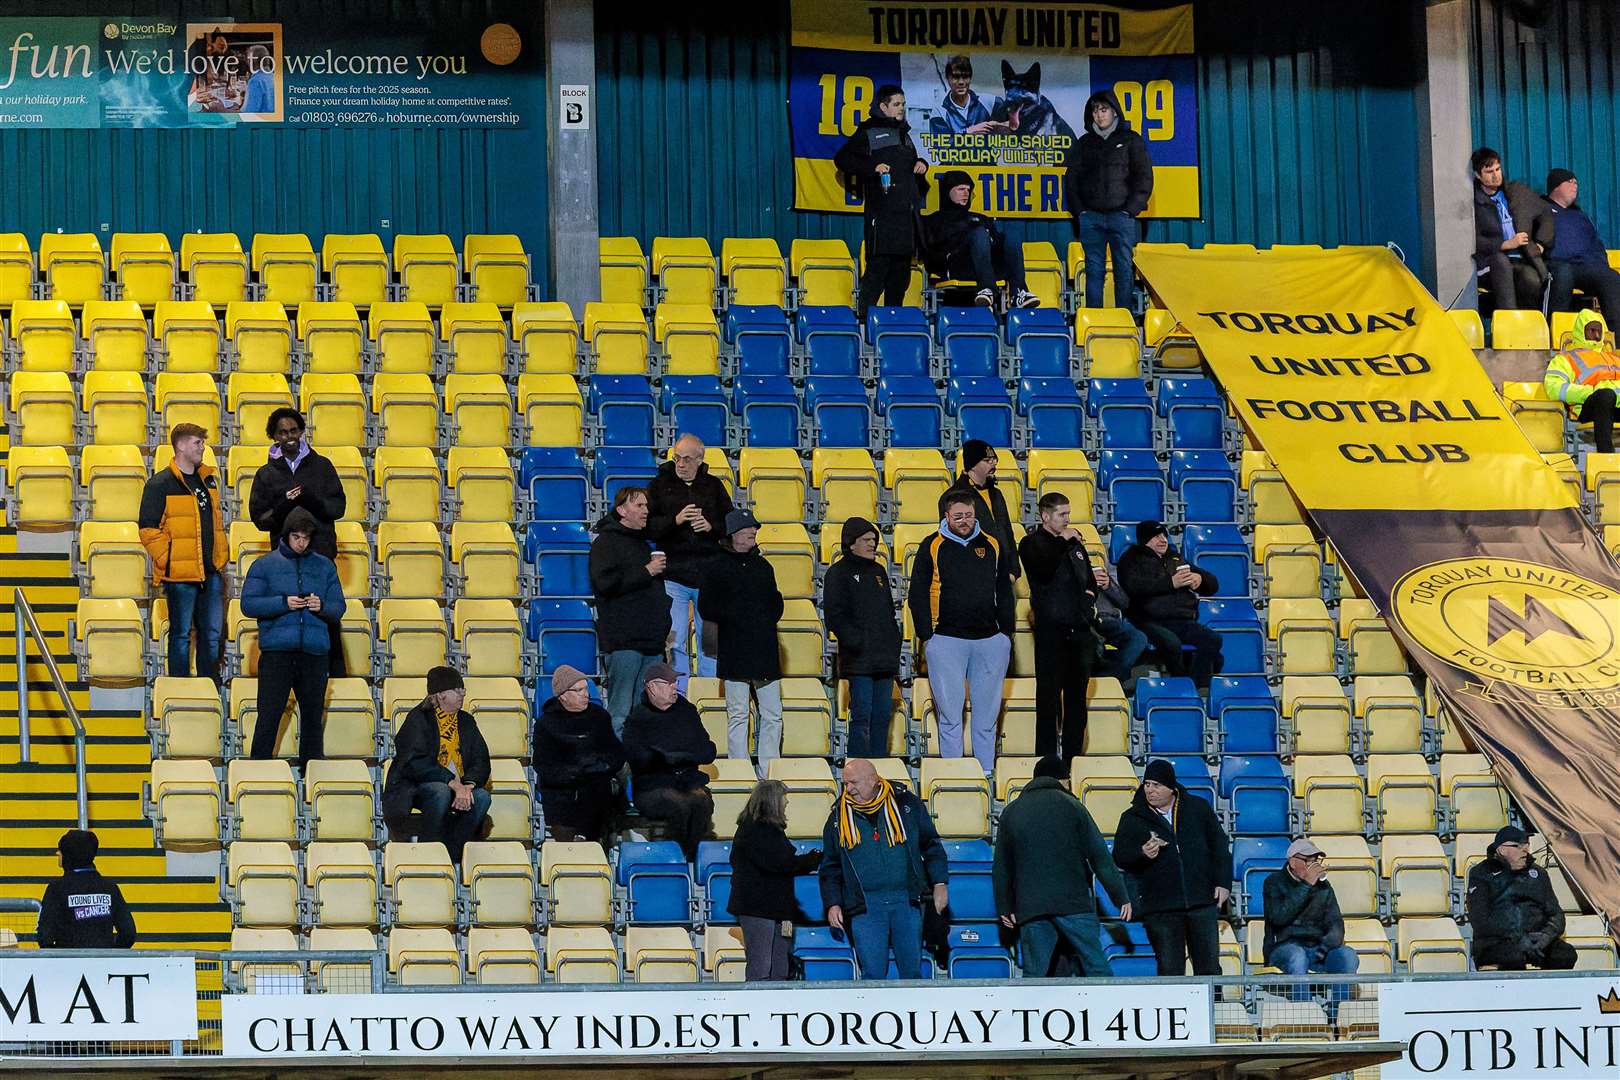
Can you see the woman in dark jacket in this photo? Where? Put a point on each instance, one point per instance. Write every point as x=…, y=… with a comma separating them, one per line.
x=763, y=866
x=576, y=757
x=882, y=159
x=859, y=608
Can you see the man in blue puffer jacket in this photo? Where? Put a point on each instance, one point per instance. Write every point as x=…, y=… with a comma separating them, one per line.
x=295, y=595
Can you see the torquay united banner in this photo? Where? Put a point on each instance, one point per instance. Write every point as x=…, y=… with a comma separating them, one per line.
x=1388, y=430
x=996, y=89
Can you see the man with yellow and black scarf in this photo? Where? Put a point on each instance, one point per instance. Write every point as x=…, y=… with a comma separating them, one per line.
x=883, y=860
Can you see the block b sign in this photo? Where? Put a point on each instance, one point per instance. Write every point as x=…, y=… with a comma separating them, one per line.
x=574, y=107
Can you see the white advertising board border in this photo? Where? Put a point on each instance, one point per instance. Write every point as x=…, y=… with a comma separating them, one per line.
x=54, y=997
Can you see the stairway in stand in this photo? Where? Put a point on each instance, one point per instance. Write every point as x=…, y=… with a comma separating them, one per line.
x=37, y=801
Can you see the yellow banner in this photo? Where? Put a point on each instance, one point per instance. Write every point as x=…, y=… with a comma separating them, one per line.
x=912, y=27
x=1354, y=380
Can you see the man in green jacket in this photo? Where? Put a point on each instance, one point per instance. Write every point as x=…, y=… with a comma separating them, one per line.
x=1047, y=851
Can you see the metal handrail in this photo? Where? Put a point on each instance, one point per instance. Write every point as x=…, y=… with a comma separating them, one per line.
x=25, y=621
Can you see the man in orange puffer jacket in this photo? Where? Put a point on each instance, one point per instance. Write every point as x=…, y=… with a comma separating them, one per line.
x=184, y=533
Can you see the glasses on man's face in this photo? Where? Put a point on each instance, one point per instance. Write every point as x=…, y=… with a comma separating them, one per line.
x=688, y=458
x=1311, y=858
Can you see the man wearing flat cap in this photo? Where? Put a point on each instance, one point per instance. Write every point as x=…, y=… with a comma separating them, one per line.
x=1517, y=921
x=1304, y=928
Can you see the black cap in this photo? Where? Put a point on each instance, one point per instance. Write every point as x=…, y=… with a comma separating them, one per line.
x=1556, y=177
x=1160, y=771
x=1051, y=765
x=1509, y=834
x=739, y=519
x=440, y=679
x=973, y=452
x=1147, y=530
x=78, y=848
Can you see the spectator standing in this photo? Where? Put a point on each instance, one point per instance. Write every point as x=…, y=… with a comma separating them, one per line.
x=1180, y=865
x=82, y=909
x=440, y=767
x=576, y=757
x=1517, y=919
x=764, y=863
x=666, y=744
x=1048, y=852
x=883, y=860
x=739, y=595
x=1304, y=928
x=1511, y=234
x=962, y=607
x=965, y=244
x=1164, y=589
x=1585, y=379
x=632, y=602
x=859, y=608
x=1063, y=597
x=184, y=533
x=978, y=479
x=1129, y=643
x=1578, y=258
x=686, y=509
x=881, y=158
x=1108, y=182
x=295, y=595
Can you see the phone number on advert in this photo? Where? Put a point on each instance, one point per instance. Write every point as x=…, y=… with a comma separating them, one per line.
x=336, y=118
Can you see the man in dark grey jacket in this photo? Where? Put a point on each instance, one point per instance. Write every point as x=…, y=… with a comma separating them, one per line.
x=1304, y=929
x=1108, y=181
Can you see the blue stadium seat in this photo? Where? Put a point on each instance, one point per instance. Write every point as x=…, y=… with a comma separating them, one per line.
x=714, y=877
x=1041, y=342
x=982, y=408
x=840, y=414
x=1133, y=960
x=624, y=406
x=1245, y=714
x=1194, y=411
x=1172, y=713
x=1193, y=773
x=1220, y=549
x=769, y=408
x=821, y=954
x=1123, y=411
x=1120, y=537
x=807, y=887
x=555, y=478
x=615, y=467
x=831, y=340
x=1055, y=412
x=900, y=336
x=560, y=552
x=761, y=337
x=695, y=404
x=656, y=880
x=1132, y=485
x=566, y=634
x=1243, y=637
x=976, y=952
x=1255, y=858
x=1206, y=484
x=925, y=969
x=913, y=410
x=1257, y=793
x=971, y=339
x=972, y=895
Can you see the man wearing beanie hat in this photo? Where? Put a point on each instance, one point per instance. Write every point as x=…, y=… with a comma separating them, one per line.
x=1512, y=231
x=667, y=746
x=1517, y=920
x=858, y=606
x=295, y=594
x=576, y=757
x=739, y=596
x=1048, y=850
x=1577, y=258
x=1164, y=589
x=440, y=768
x=632, y=604
x=1179, y=864
x=962, y=244
x=82, y=909
x=978, y=479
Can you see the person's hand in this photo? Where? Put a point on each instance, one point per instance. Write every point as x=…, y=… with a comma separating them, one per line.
x=1222, y=894
x=312, y=603
x=983, y=127
x=688, y=514
x=1070, y=533
x=920, y=168
x=1314, y=872
x=700, y=524
x=655, y=565
x=835, y=917
x=881, y=170
x=1516, y=241
x=463, y=795
x=1100, y=576
x=941, y=898
x=1010, y=921
x=1186, y=577
x=1151, y=849
x=294, y=491
x=1125, y=912
x=296, y=603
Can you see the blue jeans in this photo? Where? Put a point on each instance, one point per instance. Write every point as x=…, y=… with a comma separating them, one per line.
x=683, y=603
x=987, y=256
x=1038, y=940
x=442, y=825
x=626, y=670
x=870, y=709
x=195, y=605
x=890, y=921
x=1292, y=959
x=1129, y=642
x=1116, y=232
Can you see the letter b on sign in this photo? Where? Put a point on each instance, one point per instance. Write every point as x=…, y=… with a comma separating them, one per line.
x=575, y=108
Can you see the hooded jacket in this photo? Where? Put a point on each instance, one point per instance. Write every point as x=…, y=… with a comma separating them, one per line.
x=858, y=605
x=172, y=529
x=947, y=229
x=1047, y=851
x=570, y=747
x=665, y=747
x=1063, y=594
x=272, y=579
x=958, y=589
x=322, y=496
x=1529, y=213
x=416, y=759
x=1186, y=872
x=926, y=864
x=83, y=910
x=1300, y=914
x=739, y=595
x=689, y=551
x=1576, y=374
x=632, y=606
x=1145, y=576
x=1505, y=906
x=1109, y=173
x=891, y=215
x=990, y=511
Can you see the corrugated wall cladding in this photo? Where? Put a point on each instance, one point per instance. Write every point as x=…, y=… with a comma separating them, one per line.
x=1308, y=127
x=1544, y=96
x=262, y=179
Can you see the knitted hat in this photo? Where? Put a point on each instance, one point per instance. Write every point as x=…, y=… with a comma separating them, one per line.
x=440, y=679
x=738, y=520
x=1051, y=765
x=660, y=672
x=564, y=679
x=1160, y=771
x=78, y=848
x=1147, y=530
x=854, y=529
x=953, y=178
x=973, y=452
x=1556, y=177
x=299, y=521
x=1510, y=834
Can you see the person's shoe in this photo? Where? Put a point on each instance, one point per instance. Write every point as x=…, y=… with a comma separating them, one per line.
x=1026, y=299
x=985, y=298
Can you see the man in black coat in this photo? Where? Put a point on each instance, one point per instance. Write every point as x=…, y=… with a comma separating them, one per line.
x=858, y=606
x=739, y=595
x=1516, y=917
x=666, y=745
x=960, y=243
x=440, y=768
x=1179, y=863
x=1164, y=589
x=632, y=605
x=1304, y=927
x=882, y=159
x=1108, y=182
x=1064, y=600
x=82, y=909
x=577, y=755
x=1511, y=234
x=686, y=510
x=978, y=479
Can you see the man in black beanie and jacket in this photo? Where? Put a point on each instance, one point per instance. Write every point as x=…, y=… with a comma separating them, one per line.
x=1515, y=914
x=82, y=909
x=1179, y=865
x=858, y=606
x=1064, y=599
x=961, y=243
x=632, y=604
x=739, y=595
x=881, y=158
x=1164, y=589
x=978, y=479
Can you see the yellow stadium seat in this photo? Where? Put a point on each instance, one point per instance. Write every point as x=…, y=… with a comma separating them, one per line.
x=825, y=272
x=511, y=798
x=497, y=268
x=724, y=958
x=264, y=939
x=1271, y=502
x=357, y=267
x=1371, y=646
x=1017, y=723
x=915, y=480
x=115, y=333
x=114, y=559
x=1603, y=480
x=411, y=636
x=401, y=694
x=1520, y=330
x=1391, y=712
x=332, y=336
x=115, y=405
x=72, y=266
x=252, y=396
x=1290, y=560
x=263, y=880
x=502, y=955
x=500, y=883
x=807, y=715
x=1108, y=717
x=187, y=335
x=1541, y=419
x=623, y=270
x=1419, y=875
x=334, y=407
x=16, y=268
x=553, y=411
x=1479, y=803
x=1304, y=634
x=248, y=544
x=1105, y=785
x=483, y=483
x=578, y=883
x=410, y=559
x=1371, y=943
x=342, y=882
x=754, y=270
x=802, y=640
x=427, y=267
x=261, y=798
x=1469, y=849
x=1316, y=714
x=407, y=410
x=690, y=337
x=143, y=264
x=811, y=791
x=684, y=269
x=485, y=554
x=260, y=334
x=1169, y=343
x=44, y=406
x=787, y=547
x=1012, y=775
x=1405, y=794
x=339, y=800
x=479, y=408
x=490, y=637
x=731, y=782
x=581, y=954
x=1111, y=342
x=187, y=717
x=44, y=334
x=286, y=266
x=351, y=718
x=660, y=954
x=1352, y=873
x=847, y=482
x=421, y=883
x=356, y=634
x=352, y=474
x=958, y=796
x=1594, y=948
x=497, y=703
x=41, y=483
x=774, y=479
x=215, y=265
x=185, y=802
x=474, y=337
x=408, y=483
x=1044, y=272
x=424, y=956
x=1333, y=792
x=403, y=336
x=1065, y=471
x=547, y=337
x=616, y=338
x=1469, y=326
